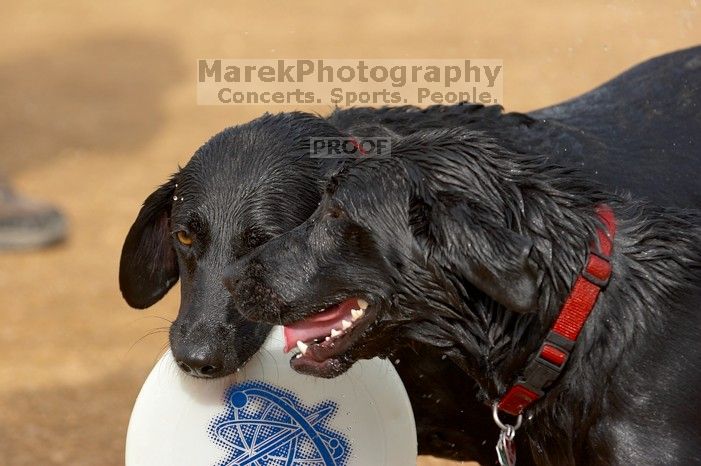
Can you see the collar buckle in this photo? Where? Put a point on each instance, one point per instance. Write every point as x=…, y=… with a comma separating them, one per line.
x=598, y=269
x=540, y=372
x=549, y=362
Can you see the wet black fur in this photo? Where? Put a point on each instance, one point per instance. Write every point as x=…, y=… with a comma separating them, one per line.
x=252, y=182
x=436, y=236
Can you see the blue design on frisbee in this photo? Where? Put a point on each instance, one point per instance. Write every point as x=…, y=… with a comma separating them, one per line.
x=264, y=425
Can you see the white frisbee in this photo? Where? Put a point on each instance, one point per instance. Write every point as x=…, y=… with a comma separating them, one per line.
x=268, y=414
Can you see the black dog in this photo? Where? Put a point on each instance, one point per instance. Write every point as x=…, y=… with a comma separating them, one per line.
x=211, y=339
x=243, y=187
x=460, y=244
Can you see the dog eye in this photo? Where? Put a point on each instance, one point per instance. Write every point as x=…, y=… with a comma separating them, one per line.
x=184, y=238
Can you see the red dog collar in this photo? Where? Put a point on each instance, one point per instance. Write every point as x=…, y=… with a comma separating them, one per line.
x=552, y=356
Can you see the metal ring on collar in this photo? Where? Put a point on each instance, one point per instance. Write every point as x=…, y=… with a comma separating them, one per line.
x=502, y=426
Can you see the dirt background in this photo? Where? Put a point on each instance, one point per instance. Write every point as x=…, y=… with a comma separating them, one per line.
x=98, y=107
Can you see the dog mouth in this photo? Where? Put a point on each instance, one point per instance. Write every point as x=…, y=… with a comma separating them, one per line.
x=320, y=343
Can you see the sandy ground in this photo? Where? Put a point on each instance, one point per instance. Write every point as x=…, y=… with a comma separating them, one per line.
x=99, y=107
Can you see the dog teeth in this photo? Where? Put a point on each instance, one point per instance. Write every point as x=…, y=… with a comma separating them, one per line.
x=328, y=339
x=362, y=304
x=345, y=324
x=302, y=346
x=357, y=314
x=335, y=333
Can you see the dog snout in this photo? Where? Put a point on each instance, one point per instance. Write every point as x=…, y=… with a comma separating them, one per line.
x=236, y=271
x=255, y=299
x=199, y=361
x=232, y=276
x=241, y=271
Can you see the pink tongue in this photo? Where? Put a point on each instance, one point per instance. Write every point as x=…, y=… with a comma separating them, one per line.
x=318, y=325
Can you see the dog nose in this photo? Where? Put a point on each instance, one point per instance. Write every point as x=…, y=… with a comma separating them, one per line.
x=233, y=274
x=231, y=279
x=245, y=268
x=200, y=364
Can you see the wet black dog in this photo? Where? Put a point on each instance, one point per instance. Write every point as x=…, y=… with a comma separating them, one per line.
x=255, y=181
x=243, y=187
x=246, y=185
x=458, y=243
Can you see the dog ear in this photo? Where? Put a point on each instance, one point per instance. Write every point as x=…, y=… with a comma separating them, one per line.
x=493, y=258
x=148, y=267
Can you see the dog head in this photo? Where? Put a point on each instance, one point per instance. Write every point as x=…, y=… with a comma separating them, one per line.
x=395, y=244
x=245, y=186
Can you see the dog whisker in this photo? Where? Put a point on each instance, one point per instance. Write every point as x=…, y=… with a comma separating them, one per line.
x=156, y=331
